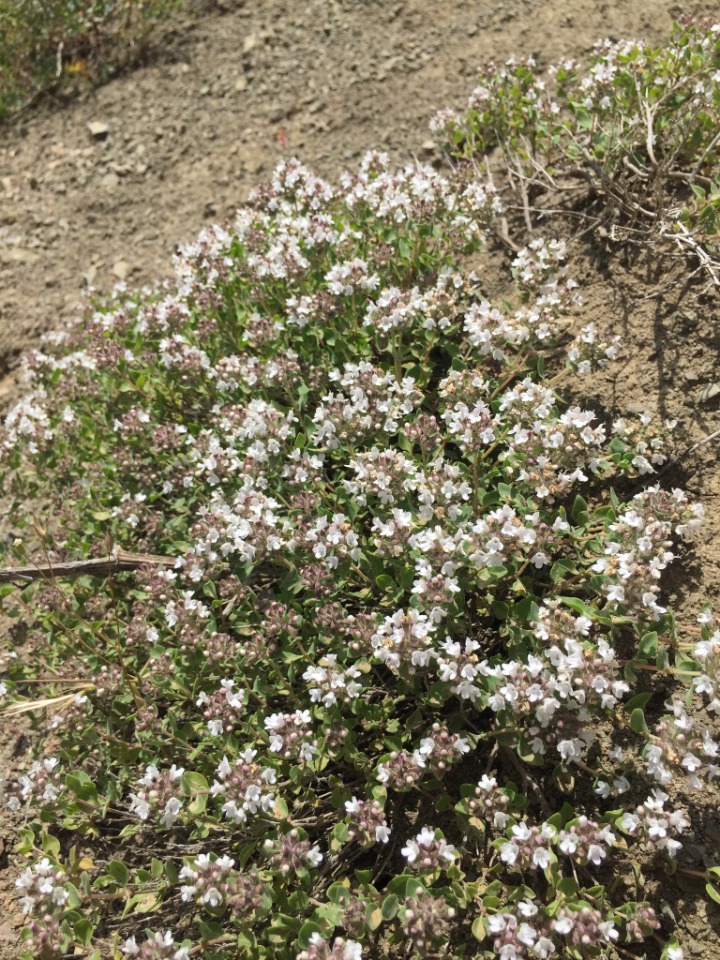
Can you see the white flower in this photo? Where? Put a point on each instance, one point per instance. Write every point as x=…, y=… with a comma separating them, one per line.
x=172, y=809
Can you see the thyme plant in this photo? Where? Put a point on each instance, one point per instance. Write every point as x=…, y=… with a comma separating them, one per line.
x=390, y=698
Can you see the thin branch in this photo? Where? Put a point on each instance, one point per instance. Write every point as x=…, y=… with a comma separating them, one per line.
x=100, y=567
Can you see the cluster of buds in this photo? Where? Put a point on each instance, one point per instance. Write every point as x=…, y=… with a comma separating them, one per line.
x=386, y=474
x=489, y=330
x=440, y=749
x=518, y=935
x=221, y=648
x=675, y=747
x=401, y=770
x=344, y=279
x=524, y=933
x=291, y=735
x=158, y=793
x=354, y=916
x=132, y=422
x=157, y=946
x=302, y=469
x=472, y=428
x=707, y=654
x=177, y=352
x=373, y=403
x=637, y=549
x=426, y=923
x=366, y=822
x=244, y=786
x=332, y=538
x=223, y=708
x=490, y=803
x=583, y=927
x=647, y=440
x=215, y=883
x=426, y=853
x=641, y=923
x=291, y=852
x=424, y=432
x=555, y=623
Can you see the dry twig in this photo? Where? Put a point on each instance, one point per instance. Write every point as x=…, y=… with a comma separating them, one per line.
x=102, y=566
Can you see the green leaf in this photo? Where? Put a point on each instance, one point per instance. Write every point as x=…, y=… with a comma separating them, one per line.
x=306, y=931
x=50, y=845
x=406, y=885
x=574, y=603
x=82, y=786
x=648, y=646
x=639, y=701
x=390, y=906
x=713, y=892
x=386, y=583
x=579, y=512
x=74, y=899
x=118, y=871
x=83, y=931
x=637, y=721
x=479, y=928
x=561, y=569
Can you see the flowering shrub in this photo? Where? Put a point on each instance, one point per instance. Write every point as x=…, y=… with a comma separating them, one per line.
x=389, y=700
x=635, y=127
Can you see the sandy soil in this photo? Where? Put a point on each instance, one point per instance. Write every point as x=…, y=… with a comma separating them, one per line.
x=188, y=135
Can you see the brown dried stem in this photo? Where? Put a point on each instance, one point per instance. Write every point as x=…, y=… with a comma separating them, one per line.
x=101, y=567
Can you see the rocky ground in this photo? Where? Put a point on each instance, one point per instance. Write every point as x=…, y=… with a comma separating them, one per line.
x=102, y=189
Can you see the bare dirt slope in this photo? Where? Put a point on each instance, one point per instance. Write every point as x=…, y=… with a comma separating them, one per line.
x=183, y=139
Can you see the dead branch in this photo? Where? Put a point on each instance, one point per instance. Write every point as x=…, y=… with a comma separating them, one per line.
x=100, y=567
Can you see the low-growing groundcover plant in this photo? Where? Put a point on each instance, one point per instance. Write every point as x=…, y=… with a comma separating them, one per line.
x=410, y=687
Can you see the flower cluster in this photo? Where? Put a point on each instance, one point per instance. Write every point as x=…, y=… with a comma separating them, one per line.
x=366, y=822
x=42, y=783
x=156, y=946
x=427, y=852
x=319, y=949
x=215, y=883
x=244, y=787
x=291, y=735
x=43, y=898
x=654, y=825
x=158, y=794
x=291, y=852
x=222, y=708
